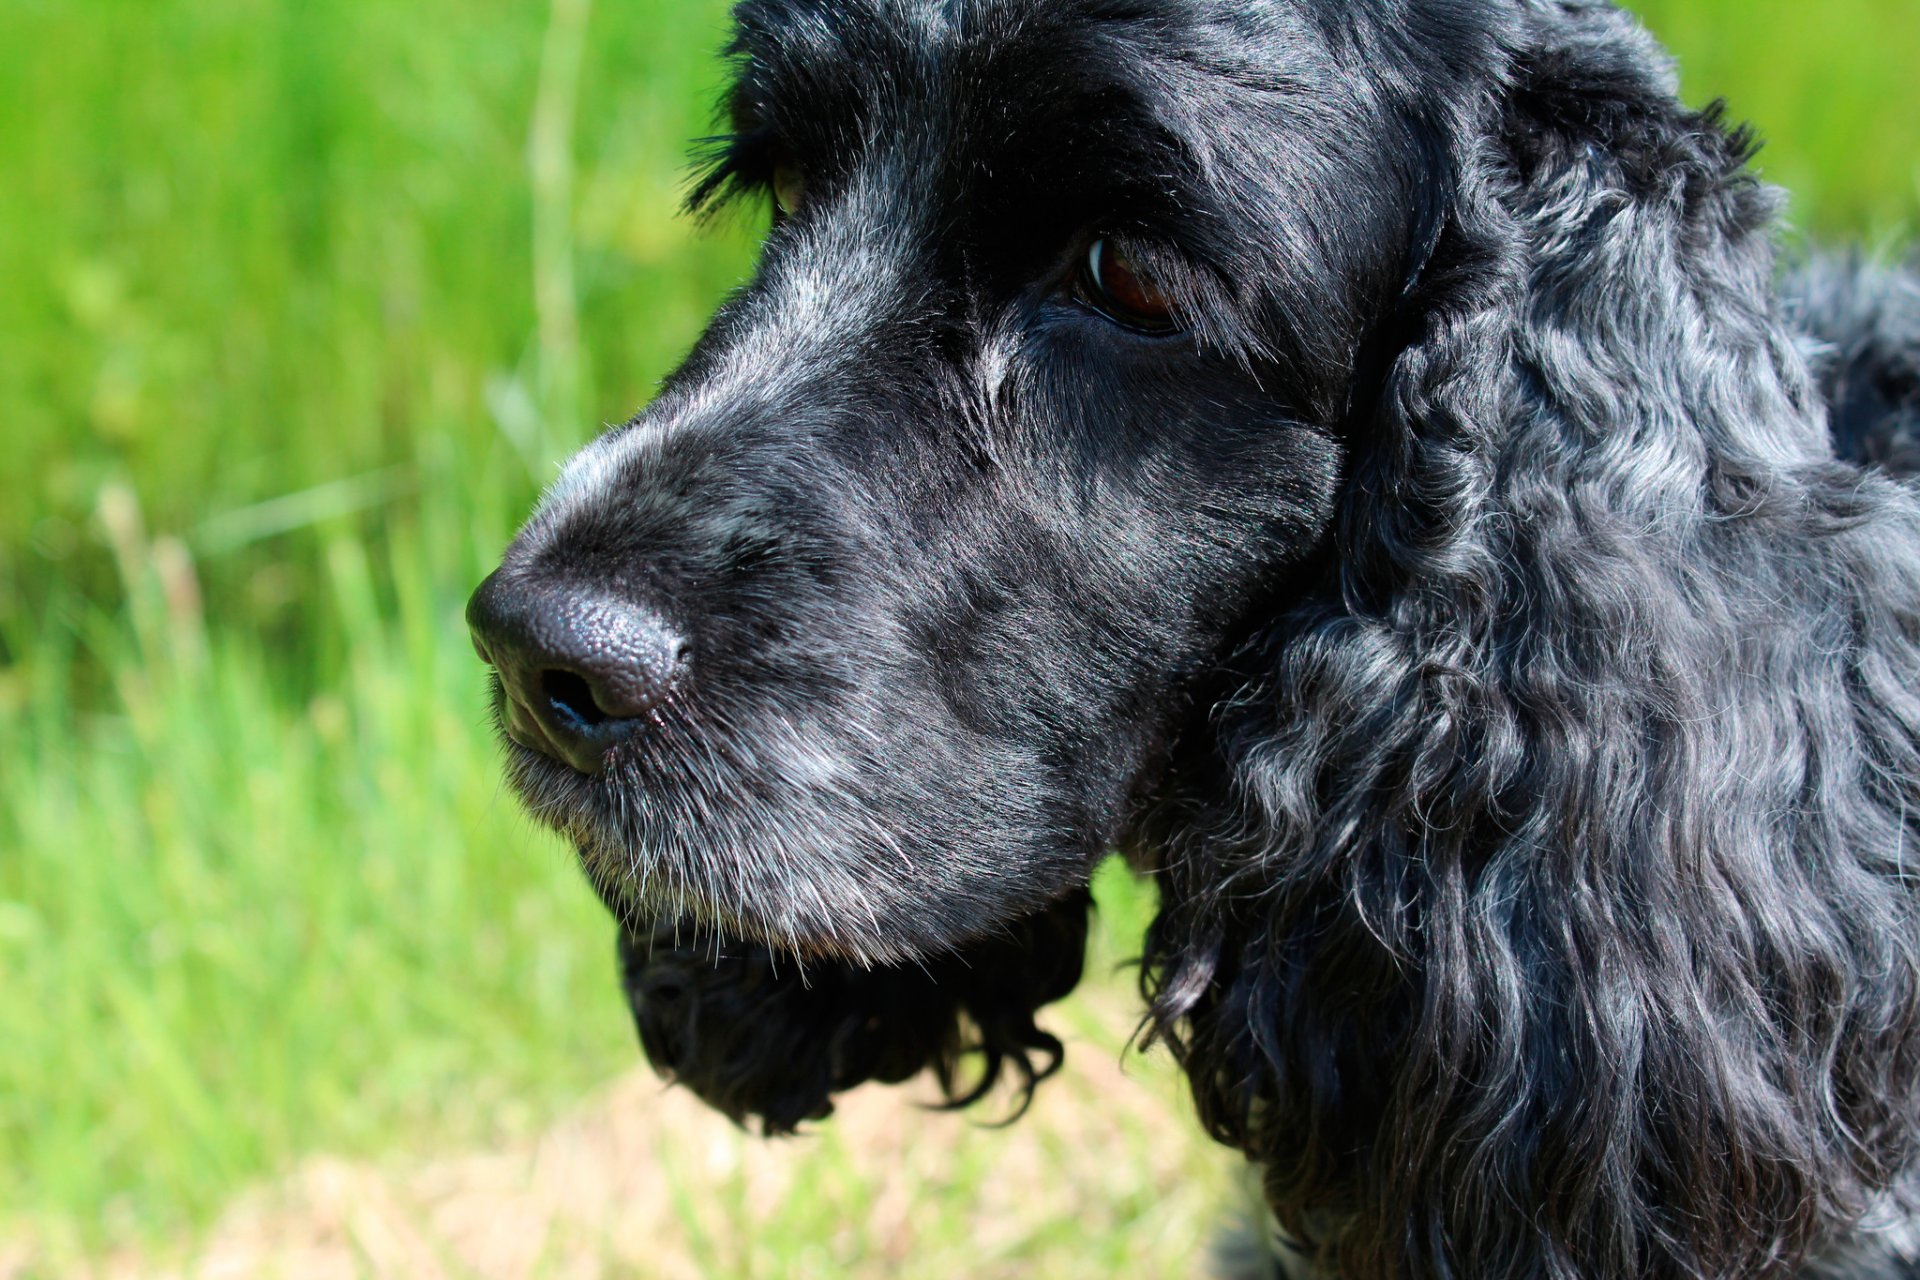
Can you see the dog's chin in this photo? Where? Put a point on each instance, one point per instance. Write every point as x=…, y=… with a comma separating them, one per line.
x=740, y=867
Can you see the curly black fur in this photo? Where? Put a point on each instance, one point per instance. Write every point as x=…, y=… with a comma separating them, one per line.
x=759, y=1036
x=1463, y=613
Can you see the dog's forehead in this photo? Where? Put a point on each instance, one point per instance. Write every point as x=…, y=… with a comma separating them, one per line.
x=1029, y=117
x=941, y=28
x=823, y=55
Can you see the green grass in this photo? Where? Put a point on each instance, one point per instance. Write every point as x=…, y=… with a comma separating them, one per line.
x=299, y=305
x=279, y=393
x=237, y=927
x=1830, y=88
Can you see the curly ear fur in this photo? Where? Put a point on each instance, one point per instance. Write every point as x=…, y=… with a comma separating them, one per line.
x=1865, y=322
x=757, y=1036
x=1537, y=902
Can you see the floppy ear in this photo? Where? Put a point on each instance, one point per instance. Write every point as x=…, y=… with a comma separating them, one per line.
x=1533, y=901
x=758, y=1036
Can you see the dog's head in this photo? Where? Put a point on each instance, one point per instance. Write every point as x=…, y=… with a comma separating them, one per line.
x=869, y=635
x=1349, y=450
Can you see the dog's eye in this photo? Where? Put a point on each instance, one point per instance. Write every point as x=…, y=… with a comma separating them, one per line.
x=1115, y=286
x=789, y=187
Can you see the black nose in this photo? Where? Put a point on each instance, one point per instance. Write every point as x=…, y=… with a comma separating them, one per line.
x=580, y=669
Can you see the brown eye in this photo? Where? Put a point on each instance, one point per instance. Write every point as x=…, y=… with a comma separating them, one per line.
x=789, y=187
x=1121, y=291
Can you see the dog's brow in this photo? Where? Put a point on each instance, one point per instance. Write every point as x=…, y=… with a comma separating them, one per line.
x=826, y=76
x=989, y=115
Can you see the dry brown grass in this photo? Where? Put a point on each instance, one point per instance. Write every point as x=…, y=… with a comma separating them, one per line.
x=1107, y=1175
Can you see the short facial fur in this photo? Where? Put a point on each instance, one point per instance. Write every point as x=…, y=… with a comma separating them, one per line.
x=947, y=544
x=1460, y=612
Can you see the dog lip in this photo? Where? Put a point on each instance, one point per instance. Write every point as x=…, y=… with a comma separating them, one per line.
x=524, y=729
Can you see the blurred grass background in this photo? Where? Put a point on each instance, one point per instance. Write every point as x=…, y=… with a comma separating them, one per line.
x=300, y=303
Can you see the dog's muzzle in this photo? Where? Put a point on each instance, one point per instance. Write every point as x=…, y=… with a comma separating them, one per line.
x=580, y=671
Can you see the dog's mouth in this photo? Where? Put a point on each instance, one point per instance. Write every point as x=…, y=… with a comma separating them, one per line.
x=675, y=811
x=605, y=746
x=779, y=836
x=630, y=797
x=603, y=813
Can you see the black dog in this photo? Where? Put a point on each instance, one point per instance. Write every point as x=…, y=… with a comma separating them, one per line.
x=1349, y=457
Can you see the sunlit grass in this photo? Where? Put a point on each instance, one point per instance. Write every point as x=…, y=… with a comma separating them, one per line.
x=237, y=927
x=1830, y=90
x=298, y=309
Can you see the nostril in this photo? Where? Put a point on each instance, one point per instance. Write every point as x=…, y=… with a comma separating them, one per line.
x=571, y=695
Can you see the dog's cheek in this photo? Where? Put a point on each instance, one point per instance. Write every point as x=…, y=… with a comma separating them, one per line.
x=1226, y=517
x=1193, y=476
